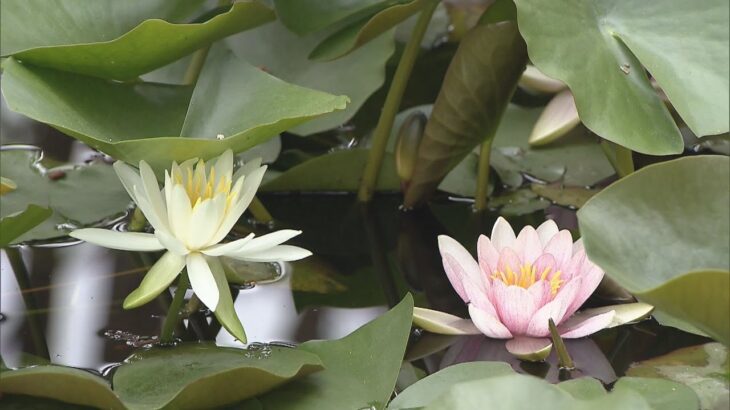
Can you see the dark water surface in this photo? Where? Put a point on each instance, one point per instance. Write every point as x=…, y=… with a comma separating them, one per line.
x=66, y=306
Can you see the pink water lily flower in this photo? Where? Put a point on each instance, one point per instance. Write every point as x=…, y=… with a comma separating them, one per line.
x=521, y=281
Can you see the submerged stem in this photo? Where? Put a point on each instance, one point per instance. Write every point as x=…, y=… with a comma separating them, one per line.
x=564, y=359
x=620, y=157
x=167, y=335
x=138, y=221
x=392, y=103
x=259, y=211
x=482, y=193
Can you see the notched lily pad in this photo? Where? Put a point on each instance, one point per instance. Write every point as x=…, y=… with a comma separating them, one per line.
x=194, y=376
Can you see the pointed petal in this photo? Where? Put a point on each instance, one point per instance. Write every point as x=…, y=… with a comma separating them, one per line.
x=488, y=324
x=509, y=261
x=250, y=185
x=559, y=117
x=269, y=240
x=148, y=210
x=204, y=221
x=226, y=248
x=443, y=323
x=578, y=246
x=478, y=297
x=515, y=306
x=502, y=234
x=546, y=231
x=541, y=291
x=247, y=168
x=129, y=178
x=152, y=190
x=555, y=310
x=225, y=312
x=528, y=245
x=157, y=279
x=529, y=348
x=624, y=313
x=281, y=253
x=589, y=283
x=573, y=329
x=561, y=247
x=171, y=243
x=125, y=241
x=458, y=264
x=488, y=255
x=224, y=166
x=180, y=211
x=202, y=281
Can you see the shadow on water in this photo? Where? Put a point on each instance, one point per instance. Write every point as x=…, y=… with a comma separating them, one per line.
x=63, y=303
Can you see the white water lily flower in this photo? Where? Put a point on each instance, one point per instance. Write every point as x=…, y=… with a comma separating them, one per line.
x=191, y=216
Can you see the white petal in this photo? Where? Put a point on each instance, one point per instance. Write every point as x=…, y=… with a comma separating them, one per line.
x=275, y=254
x=585, y=326
x=129, y=177
x=250, y=185
x=546, y=231
x=269, y=240
x=247, y=168
x=225, y=248
x=204, y=221
x=126, y=241
x=502, y=234
x=171, y=243
x=224, y=166
x=152, y=190
x=202, y=280
x=157, y=279
x=179, y=211
x=459, y=265
x=148, y=210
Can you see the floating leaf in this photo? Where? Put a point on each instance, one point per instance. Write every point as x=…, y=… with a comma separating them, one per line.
x=194, y=376
x=143, y=121
x=14, y=225
x=360, y=369
x=703, y=368
x=660, y=394
x=284, y=54
x=623, y=106
x=564, y=195
x=307, y=16
x=81, y=195
x=475, y=92
x=60, y=383
x=113, y=39
x=662, y=233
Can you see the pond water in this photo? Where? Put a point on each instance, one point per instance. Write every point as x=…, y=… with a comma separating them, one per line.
x=63, y=302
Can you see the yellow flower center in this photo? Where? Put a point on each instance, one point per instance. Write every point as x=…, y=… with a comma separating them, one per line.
x=200, y=186
x=528, y=275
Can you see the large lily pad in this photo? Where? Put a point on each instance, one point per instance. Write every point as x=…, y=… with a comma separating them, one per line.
x=581, y=41
x=80, y=195
x=284, y=55
x=113, y=39
x=360, y=369
x=60, y=383
x=475, y=92
x=198, y=376
x=703, y=368
x=663, y=233
x=144, y=121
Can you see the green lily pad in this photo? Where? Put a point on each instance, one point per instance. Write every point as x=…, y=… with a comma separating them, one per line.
x=15, y=225
x=564, y=195
x=20, y=402
x=584, y=388
x=144, y=121
x=355, y=35
x=194, y=376
x=662, y=233
x=623, y=106
x=360, y=369
x=82, y=195
x=661, y=394
x=703, y=368
x=307, y=16
x=470, y=103
x=284, y=54
x=66, y=384
x=111, y=39
x=431, y=387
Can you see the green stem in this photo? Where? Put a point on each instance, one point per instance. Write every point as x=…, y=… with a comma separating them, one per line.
x=138, y=221
x=620, y=157
x=392, y=103
x=564, y=359
x=259, y=211
x=23, y=278
x=196, y=66
x=482, y=194
x=167, y=335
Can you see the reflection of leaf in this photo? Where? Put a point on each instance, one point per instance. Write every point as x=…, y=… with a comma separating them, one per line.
x=662, y=233
x=704, y=368
x=623, y=106
x=316, y=275
x=520, y=202
x=475, y=92
x=564, y=195
x=83, y=195
x=142, y=121
x=106, y=40
x=360, y=369
x=284, y=54
x=195, y=376
x=12, y=226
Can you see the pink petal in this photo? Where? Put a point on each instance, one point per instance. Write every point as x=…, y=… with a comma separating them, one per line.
x=528, y=245
x=575, y=266
x=573, y=329
x=529, y=348
x=509, y=260
x=547, y=262
x=502, y=234
x=578, y=246
x=546, y=231
x=555, y=310
x=515, y=306
x=479, y=298
x=589, y=283
x=458, y=264
x=488, y=324
x=541, y=291
x=488, y=255
x=561, y=247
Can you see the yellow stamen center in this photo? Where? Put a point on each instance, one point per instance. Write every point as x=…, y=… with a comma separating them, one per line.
x=200, y=186
x=527, y=276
